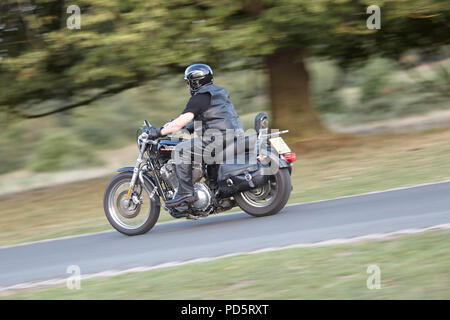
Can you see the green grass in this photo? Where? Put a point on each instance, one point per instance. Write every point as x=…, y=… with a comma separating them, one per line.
x=357, y=165
x=412, y=267
x=325, y=169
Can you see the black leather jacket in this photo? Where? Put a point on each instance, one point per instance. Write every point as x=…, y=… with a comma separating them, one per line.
x=221, y=114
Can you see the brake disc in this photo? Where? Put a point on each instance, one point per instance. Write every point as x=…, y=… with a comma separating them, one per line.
x=132, y=210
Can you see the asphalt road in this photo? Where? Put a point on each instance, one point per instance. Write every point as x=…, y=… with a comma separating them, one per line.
x=416, y=207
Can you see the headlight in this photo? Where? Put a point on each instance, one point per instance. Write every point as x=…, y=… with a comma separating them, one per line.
x=140, y=140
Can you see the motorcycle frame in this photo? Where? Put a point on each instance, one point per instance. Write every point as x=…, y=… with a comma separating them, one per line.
x=142, y=172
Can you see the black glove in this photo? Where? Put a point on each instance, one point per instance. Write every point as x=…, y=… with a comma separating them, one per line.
x=189, y=127
x=154, y=133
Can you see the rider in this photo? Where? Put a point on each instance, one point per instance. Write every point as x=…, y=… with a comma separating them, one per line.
x=209, y=104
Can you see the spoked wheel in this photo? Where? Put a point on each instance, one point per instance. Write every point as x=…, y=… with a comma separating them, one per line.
x=268, y=199
x=136, y=217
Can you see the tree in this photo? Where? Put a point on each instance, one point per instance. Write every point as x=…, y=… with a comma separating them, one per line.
x=123, y=43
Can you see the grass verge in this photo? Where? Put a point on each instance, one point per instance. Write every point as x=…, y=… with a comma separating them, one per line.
x=338, y=166
x=412, y=267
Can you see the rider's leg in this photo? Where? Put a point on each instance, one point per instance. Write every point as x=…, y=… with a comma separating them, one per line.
x=186, y=153
x=185, y=191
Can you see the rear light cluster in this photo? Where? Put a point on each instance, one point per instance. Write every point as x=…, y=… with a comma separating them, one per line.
x=290, y=157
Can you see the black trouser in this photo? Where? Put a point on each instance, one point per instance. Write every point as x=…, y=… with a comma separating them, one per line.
x=207, y=149
x=186, y=154
x=212, y=150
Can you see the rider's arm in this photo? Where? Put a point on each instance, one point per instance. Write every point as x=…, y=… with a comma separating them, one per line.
x=178, y=123
x=196, y=105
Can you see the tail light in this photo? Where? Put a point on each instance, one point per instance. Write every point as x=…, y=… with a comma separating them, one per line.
x=290, y=156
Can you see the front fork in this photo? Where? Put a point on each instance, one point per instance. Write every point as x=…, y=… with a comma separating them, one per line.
x=136, y=170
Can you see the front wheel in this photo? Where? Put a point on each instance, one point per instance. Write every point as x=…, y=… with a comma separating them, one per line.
x=268, y=199
x=139, y=216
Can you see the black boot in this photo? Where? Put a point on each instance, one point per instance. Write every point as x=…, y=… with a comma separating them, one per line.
x=185, y=191
x=213, y=170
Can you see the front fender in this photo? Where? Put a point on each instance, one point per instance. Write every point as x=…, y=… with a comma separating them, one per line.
x=125, y=169
x=148, y=178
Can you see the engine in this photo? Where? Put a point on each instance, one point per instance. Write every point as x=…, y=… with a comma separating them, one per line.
x=203, y=195
x=202, y=191
x=169, y=176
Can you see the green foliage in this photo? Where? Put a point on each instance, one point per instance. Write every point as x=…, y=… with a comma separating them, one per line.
x=327, y=80
x=388, y=95
x=438, y=82
x=379, y=89
x=124, y=44
x=373, y=77
x=112, y=122
x=106, y=124
x=60, y=149
x=12, y=151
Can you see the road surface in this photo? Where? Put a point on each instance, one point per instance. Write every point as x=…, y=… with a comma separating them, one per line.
x=383, y=212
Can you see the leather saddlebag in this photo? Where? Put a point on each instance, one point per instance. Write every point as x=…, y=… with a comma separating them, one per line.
x=234, y=178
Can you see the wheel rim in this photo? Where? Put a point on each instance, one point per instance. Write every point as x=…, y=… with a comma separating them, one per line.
x=263, y=196
x=136, y=215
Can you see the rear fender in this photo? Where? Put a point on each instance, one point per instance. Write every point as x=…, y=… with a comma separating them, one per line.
x=282, y=163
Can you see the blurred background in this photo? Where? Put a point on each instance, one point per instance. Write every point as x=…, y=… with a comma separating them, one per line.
x=367, y=109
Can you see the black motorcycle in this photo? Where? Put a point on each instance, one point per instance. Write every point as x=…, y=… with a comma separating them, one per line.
x=260, y=186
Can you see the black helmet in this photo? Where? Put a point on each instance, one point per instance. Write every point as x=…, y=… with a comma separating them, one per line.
x=198, y=75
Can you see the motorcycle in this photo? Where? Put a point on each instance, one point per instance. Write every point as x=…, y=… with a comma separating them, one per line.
x=133, y=198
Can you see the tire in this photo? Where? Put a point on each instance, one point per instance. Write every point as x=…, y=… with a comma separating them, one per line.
x=150, y=220
x=283, y=181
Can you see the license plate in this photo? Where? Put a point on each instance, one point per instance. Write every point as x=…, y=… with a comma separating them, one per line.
x=279, y=145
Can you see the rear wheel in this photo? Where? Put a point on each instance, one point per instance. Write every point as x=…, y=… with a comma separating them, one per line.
x=139, y=216
x=268, y=199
